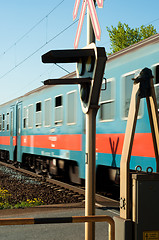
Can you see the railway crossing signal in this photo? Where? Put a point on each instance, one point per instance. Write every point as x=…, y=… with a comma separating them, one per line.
x=93, y=68
x=93, y=15
x=90, y=69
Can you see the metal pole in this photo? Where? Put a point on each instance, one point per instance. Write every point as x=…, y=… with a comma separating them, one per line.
x=90, y=171
x=90, y=153
x=90, y=31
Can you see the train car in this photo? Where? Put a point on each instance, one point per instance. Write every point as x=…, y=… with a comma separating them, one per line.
x=45, y=128
x=114, y=106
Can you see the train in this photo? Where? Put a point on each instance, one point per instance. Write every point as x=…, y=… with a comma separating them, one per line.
x=44, y=129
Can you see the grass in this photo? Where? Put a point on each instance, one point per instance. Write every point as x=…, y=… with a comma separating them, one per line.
x=5, y=203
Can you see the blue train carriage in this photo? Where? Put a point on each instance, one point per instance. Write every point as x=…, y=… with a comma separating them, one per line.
x=114, y=105
x=47, y=130
x=8, y=131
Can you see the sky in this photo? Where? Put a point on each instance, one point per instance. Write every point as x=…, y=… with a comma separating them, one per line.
x=30, y=28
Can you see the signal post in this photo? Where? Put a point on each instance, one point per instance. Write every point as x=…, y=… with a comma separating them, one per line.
x=91, y=62
x=90, y=165
x=93, y=30
x=90, y=70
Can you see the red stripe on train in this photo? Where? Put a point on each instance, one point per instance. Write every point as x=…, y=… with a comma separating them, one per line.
x=113, y=143
x=5, y=140
x=105, y=143
x=65, y=142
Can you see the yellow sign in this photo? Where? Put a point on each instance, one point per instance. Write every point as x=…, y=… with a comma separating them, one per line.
x=151, y=235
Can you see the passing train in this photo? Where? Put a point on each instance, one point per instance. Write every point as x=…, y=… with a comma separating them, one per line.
x=45, y=128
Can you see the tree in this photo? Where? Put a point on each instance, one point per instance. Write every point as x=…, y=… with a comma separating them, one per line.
x=123, y=36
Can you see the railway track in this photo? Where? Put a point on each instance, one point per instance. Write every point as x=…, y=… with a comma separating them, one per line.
x=60, y=186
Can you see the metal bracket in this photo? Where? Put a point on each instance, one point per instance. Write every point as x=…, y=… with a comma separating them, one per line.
x=122, y=203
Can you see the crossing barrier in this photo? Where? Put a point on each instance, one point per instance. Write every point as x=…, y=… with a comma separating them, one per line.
x=74, y=219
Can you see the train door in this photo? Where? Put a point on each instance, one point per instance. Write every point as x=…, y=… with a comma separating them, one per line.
x=12, y=133
x=19, y=131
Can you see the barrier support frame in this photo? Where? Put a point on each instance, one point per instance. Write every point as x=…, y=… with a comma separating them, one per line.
x=125, y=209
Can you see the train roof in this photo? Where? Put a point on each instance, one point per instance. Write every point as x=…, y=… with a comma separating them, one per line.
x=70, y=75
x=151, y=40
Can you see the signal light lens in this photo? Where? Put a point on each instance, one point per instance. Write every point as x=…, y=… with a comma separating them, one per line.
x=85, y=69
x=81, y=67
x=84, y=92
x=90, y=64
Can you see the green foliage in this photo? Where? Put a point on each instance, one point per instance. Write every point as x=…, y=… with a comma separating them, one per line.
x=123, y=36
x=4, y=199
x=29, y=203
x=5, y=203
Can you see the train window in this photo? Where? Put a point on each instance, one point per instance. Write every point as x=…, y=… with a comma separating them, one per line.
x=155, y=70
x=71, y=107
x=107, y=100
x=3, y=123
x=38, y=119
x=24, y=117
x=156, y=74
x=126, y=95
x=30, y=116
x=7, y=121
x=58, y=110
x=47, y=110
x=157, y=95
x=0, y=122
